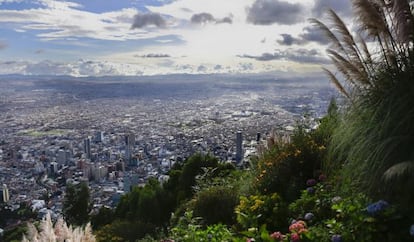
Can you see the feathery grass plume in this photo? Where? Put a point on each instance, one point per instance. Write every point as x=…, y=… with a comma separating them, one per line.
x=59, y=232
x=372, y=147
x=336, y=82
x=329, y=34
x=402, y=14
x=351, y=48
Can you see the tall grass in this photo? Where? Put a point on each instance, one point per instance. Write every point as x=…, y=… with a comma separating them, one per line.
x=58, y=232
x=374, y=144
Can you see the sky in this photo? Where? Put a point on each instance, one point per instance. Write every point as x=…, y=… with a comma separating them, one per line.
x=153, y=37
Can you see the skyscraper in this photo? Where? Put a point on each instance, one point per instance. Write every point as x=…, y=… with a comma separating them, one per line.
x=129, y=146
x=6, y=195
x=87, y=147
x=99, y=136
x=239, y=147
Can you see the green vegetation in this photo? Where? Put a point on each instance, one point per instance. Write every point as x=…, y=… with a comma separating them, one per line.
x=76, y=204
x=351, y=179
x=147, y=210
x=372, y=147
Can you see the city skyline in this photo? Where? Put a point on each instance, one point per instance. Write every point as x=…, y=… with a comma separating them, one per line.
x=153, y=37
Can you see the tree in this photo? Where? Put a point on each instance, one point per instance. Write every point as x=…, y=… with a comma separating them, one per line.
x=76, y=204
x=103, y=217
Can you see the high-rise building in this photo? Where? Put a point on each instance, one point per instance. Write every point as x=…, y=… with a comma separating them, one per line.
x=129, y=146
x=239, y=147
x=87, y=147
x=99, y=136
x=6, y=195
x=61, y=157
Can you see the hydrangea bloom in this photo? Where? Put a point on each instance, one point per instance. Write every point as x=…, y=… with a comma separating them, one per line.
x=336, y=238
x=412, y=230
x=298, y=227
x=377, y=207
x=311, y=182
x=309, y=216
x=310, y=190
x=295, y=237
x=278, y=236
x=322, y=177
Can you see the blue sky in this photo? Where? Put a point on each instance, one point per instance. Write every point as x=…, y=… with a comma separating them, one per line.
x=136, y=37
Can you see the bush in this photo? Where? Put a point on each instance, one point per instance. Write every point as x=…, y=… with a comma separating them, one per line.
x=286, y=166
x=257, y=210
x=189, y=230
x=216, y=205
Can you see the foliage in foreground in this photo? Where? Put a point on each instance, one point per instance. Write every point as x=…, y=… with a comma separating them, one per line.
x=58, y=232
x=372, y=148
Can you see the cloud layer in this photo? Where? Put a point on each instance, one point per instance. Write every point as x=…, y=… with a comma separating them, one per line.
x=142, y=20
x=150, y=37
x=266, y=12
x=204, y=18
x=295, y=55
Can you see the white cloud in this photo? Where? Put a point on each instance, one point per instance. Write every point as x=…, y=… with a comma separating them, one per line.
x=62, y=20
x=202, y=48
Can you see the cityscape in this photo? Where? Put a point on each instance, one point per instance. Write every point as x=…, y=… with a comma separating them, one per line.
x=206, y=121
x=116, y=134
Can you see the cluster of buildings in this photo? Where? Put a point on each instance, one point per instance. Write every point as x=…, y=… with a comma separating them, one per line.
x=114, y=144
x=115, y=152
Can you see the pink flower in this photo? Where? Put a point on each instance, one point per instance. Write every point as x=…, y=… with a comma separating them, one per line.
x=250, y=240
x=277, y=236
x=295, y=237
x=297, y=226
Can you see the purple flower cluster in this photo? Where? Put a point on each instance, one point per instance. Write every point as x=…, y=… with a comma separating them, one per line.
x=375, y=208
x=310, y=190
x=336, y=238
x=311, y=182
x=309, y=216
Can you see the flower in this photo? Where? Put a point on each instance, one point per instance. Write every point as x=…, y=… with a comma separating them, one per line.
x=298, y=227
x=336, y=199
x=336, y=238
x=277, y=236
x=310, y=190
x=250, y=240
x=412, y=230
x=309, y=216
x=377, y=207
x=322, y=177
x=295, y=237
x=311, y=182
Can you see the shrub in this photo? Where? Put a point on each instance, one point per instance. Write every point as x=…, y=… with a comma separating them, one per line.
x=258, y=210
x=216, y=205
x=286, y=166
x=188, y=230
